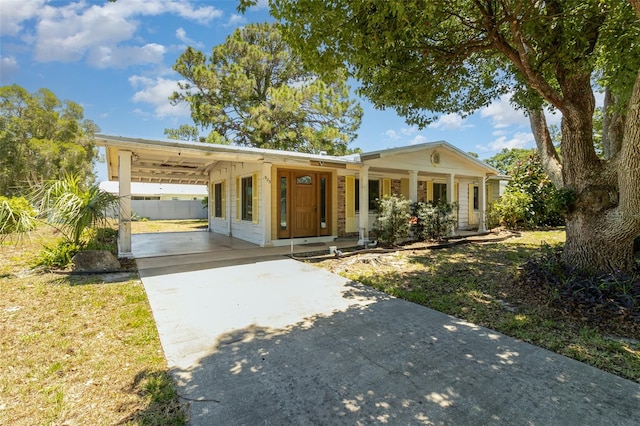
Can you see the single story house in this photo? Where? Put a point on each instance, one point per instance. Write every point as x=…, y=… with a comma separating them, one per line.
x=271, y=197
x=157, y=201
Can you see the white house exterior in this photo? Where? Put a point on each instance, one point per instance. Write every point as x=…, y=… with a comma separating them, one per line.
x=271, y=197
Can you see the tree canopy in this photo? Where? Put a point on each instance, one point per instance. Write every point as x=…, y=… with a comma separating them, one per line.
x=41, y=139
x=424, y=58
x=507, y=159
x=254, y=91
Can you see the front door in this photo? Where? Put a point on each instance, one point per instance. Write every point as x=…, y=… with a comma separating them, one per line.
x=304, y=204
x=303, y=208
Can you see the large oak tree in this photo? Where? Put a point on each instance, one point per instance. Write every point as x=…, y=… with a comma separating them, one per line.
x=254, y=91
x=439, y=56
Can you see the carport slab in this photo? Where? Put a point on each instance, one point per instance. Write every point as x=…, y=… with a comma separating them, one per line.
x=282, y=342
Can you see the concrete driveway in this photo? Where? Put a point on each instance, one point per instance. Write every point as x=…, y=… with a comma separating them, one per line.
x=281, y=342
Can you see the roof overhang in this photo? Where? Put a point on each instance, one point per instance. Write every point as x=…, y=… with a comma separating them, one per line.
x=171, y=161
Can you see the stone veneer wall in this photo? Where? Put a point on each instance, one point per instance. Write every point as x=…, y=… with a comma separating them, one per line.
x=396, y=187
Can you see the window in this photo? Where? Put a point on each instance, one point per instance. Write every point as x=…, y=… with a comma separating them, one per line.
x=247, y=198
x=439, y=193
x=476, y=198
x=374, y=194
x=283, y=202
x=218, y=197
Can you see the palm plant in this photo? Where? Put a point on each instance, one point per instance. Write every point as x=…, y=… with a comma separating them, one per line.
x=16, y=217
x=70, y=208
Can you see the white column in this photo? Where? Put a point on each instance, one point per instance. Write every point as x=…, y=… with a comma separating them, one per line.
x=413, y=186
x=451, y=197
x=124, y=223
x=265, y=209
x=230, y=197
x=364, y=204
x=210, y=195
x=482, y=190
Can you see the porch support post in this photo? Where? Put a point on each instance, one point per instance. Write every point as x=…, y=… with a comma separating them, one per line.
x=451, y=198
x=482, y=190
x=230, y=196
x=210, y=195
x=413, y=186
x=364, y=205
x=265, y=210
x=124, y=221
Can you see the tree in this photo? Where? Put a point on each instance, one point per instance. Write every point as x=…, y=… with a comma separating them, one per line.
x=184, y=133
x=42, y=138
x=441, y=56
x=254, y=91
x=506, y=159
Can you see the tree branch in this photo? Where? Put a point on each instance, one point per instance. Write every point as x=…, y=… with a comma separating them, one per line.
x=546, y=150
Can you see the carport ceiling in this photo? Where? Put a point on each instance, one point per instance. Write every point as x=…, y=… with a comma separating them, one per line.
x=164, y=167
x=168, y=161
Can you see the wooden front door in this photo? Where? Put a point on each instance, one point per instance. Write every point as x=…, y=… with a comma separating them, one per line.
x=304, y=204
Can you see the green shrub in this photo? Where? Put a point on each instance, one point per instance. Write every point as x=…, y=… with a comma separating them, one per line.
x=101, y=239
x=492, y=217
x=392, y=224
x=16, y=216
x=432, y=221
x=58, y=256
x=513, y=207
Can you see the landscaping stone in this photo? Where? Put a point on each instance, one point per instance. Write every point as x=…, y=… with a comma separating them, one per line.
x=95, y=261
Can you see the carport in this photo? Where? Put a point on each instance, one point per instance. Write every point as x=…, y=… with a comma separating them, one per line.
x=139, y=160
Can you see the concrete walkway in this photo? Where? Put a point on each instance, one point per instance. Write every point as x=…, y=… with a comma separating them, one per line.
x=279, y=342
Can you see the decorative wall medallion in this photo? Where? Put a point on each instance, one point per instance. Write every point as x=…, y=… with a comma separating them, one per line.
x=435, y=158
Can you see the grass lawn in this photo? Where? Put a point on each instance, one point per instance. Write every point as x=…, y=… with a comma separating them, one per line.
x=478, y=283
x=78, y=349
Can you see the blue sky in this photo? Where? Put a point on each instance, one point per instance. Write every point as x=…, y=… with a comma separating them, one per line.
x=115, y=60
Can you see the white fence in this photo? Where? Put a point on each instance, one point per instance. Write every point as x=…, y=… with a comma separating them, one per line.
x=169, y=209
x=165, y=209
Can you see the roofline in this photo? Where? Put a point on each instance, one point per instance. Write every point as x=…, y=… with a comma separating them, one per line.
x=242, y=151
x=417, y=147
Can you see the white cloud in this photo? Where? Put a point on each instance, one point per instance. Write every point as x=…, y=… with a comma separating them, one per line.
x=13, y=14
x=236, y=20
x=8, y=68
x=503, y=114
x=102, y=33
x=408, y=131
x=392, y=134
x=110, y=57
x=418, y=139
x=450, y=121
x=181, y=35
x=518, y=140
x=156, y=92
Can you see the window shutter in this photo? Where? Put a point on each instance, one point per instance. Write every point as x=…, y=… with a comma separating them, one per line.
x=255, y=198
x=430, y=192
x=404, y=188
x=386, y=187
x=350, y=196
x=238, y=198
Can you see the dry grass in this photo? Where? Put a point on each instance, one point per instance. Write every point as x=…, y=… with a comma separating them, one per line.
x=148, y=226
x=78, y=350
